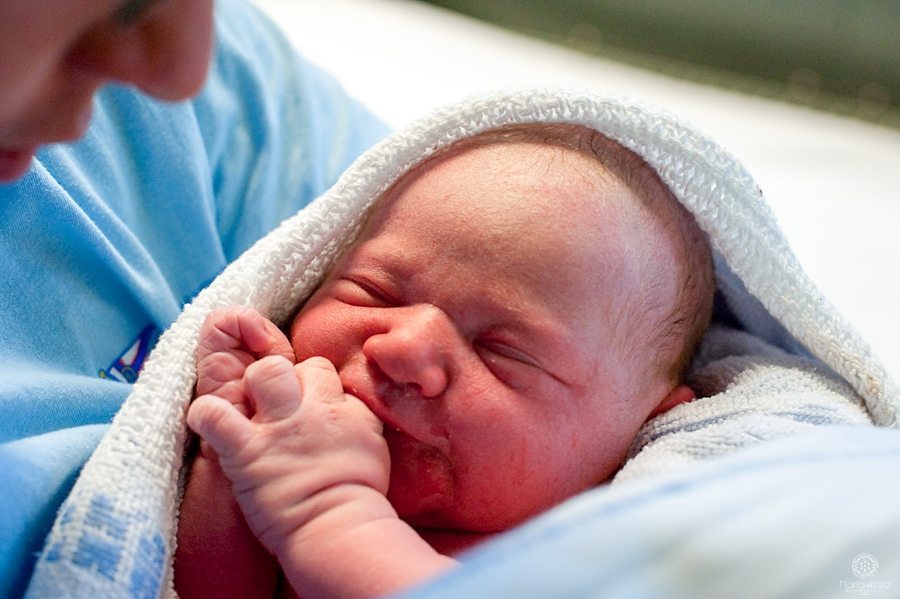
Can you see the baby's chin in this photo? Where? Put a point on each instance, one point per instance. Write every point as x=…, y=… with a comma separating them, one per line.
x=421, y=486
x=452, y=542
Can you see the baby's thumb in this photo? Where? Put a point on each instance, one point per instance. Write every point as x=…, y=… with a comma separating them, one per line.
x=272, y=386
x=220, y=424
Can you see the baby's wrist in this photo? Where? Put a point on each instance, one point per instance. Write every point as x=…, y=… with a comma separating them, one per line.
x=328, y=514
x=341, y=551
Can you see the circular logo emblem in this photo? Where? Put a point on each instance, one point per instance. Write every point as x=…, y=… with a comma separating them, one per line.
x=864, y=565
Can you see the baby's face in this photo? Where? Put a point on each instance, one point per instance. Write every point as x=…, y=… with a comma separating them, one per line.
x=475, y=319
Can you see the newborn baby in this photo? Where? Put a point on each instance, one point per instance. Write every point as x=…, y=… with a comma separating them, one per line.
x=515, y=308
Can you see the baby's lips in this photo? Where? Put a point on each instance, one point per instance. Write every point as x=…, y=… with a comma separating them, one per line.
x=375, y=406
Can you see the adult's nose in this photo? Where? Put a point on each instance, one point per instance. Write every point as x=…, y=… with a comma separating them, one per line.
x=164, y=52
x=416, y=349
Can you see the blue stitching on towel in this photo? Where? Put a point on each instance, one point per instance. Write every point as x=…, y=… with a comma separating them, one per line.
x=147, y=574
x=101, y=547
x=102, y=542
x=695, y=426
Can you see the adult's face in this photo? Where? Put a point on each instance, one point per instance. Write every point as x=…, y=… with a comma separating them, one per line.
x=55, y=54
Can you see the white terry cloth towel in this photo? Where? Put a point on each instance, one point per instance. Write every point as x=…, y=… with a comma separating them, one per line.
x=779, y=360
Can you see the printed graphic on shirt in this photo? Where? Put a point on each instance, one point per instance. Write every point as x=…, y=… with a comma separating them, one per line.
x=126, y=367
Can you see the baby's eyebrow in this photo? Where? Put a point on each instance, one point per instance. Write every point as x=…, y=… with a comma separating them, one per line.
x=132, y=10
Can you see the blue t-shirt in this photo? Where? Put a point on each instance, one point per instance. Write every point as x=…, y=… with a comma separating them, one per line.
x=103, y=241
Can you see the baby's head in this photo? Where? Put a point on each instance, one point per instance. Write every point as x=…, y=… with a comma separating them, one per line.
x=515, y=308
x=665, y=301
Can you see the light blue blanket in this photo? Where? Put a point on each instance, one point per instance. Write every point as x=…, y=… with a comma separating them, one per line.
x=812, y=516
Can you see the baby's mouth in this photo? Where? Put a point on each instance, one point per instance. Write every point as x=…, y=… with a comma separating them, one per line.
x=397, y=428
x=376, y=406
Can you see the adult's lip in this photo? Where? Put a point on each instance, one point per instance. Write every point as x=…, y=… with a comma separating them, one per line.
x=15, y=161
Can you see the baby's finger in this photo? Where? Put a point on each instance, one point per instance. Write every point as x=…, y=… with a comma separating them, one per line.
x=319, y=379
x=239, y=329
x=262, y=337
x=273, y=388
x=220, y=424
x=220, y=374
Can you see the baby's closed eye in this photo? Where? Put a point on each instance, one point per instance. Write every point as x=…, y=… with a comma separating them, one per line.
x=357, y=291
x=512, y=366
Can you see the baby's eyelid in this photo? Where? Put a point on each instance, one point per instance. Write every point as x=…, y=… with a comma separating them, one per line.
x=371, y=288
x=510, y=352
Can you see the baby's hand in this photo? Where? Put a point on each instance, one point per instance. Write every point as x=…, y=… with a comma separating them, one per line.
x=216, y=553
x=308, y=458
x=229, y=341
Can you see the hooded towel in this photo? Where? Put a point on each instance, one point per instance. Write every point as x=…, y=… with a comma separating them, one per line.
x=778, y=359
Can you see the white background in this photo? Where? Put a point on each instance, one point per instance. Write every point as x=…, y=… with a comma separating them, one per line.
x=832, y=181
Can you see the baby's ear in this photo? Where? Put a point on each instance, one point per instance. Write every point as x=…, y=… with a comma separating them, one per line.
x=677, y=396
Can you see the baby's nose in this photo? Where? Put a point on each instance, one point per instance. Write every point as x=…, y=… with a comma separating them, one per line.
x=416, y=349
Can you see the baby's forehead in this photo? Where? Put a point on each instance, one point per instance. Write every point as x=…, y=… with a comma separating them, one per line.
x=539, y=211
x=534, y=189
x=557, y=147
